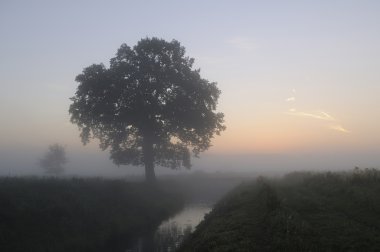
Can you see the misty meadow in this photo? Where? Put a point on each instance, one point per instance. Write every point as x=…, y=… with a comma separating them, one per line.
x=189, y=126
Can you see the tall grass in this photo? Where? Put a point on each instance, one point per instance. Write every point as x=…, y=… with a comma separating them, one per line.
x=301, y=212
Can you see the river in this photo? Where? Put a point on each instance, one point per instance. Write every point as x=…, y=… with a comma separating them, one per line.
x=202, y=192
x=172, y=231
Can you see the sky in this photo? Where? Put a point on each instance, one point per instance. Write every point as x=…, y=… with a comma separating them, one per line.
x=300, y=80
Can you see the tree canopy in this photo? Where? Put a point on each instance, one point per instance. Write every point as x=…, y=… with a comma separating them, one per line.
x=149, y=107
x=54, y=159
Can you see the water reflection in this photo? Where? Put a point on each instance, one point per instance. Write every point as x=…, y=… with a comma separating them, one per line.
x=173, y=231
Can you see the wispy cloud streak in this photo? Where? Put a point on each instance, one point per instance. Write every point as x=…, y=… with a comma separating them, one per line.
x=291, y=99
x=321, y=115
x=318, y=115
x=339, y=128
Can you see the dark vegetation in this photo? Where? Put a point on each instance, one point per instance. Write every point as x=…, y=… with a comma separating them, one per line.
x=301, y=212
x=54, y=160
x=150, y=107
x=50, y=214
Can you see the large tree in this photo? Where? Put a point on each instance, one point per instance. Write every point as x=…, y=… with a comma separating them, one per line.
x=149, y=107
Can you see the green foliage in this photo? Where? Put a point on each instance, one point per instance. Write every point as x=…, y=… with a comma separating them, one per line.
x=79, y=214
x=301, y=212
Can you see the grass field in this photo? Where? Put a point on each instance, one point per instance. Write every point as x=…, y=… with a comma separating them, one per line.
x=49, y=214
x=301, y=212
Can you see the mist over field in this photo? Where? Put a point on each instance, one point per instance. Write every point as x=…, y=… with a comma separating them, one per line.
x=97, y=163
x=165, y=125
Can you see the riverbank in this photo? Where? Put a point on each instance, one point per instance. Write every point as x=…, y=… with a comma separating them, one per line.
x=301, y=212
x=51, y=214
x=200, y=191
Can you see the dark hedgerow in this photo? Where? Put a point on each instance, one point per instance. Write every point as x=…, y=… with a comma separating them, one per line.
x=50, y=214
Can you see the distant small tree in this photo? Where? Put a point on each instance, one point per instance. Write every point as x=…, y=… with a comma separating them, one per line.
x=54, y=160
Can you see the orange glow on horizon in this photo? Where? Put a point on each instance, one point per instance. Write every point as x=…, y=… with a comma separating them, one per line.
x=279, y=134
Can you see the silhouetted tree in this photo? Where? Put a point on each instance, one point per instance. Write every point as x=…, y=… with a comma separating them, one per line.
x=54, y=159
x=149, y=107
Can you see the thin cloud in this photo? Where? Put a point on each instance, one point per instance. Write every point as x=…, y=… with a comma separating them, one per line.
x=242, y=43
x=320, y=115
x=339, y=128
x=291, y=99
x=327, y=115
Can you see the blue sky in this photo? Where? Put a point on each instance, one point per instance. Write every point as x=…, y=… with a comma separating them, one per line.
x=296, y=76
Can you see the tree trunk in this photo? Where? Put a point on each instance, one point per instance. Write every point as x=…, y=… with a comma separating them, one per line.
x=148, y=153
